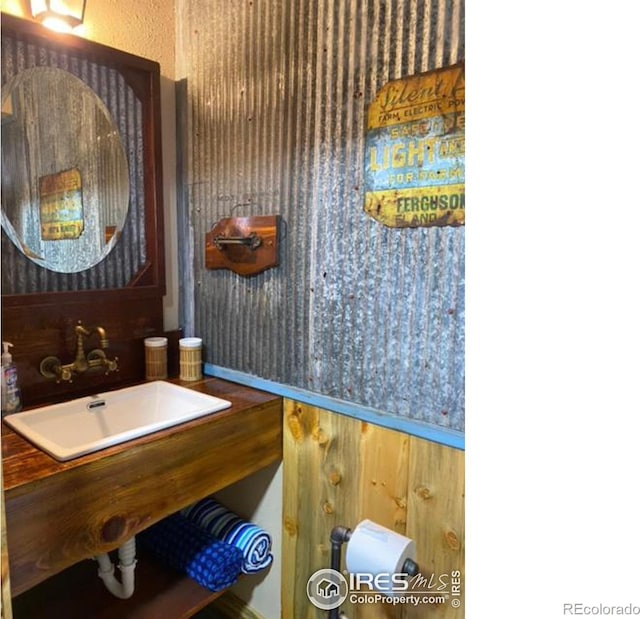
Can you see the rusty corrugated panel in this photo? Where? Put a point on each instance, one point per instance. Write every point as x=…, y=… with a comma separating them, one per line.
x=20, y=275
x=276, y=103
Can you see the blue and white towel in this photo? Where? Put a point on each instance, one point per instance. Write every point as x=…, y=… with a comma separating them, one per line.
x=224, y=525
x=181, y=544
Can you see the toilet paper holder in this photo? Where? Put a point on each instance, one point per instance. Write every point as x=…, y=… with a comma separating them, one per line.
x=340, y=535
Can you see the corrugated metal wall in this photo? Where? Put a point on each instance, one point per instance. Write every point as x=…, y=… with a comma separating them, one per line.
x=274, y=100
x=20, y=275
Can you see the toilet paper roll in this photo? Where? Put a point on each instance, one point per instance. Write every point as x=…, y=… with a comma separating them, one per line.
x=374, y=549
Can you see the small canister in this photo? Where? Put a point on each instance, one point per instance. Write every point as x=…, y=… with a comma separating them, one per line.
x=155, y=356
x=190, y=358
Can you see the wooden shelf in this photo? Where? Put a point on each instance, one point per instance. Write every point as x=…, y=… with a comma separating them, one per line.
x=60, y=513
x=78, y=593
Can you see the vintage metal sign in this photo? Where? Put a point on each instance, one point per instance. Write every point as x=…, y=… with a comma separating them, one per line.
x=414, y=160
x=61, y=215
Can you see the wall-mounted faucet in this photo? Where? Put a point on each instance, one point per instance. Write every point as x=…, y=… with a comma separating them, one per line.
x=52, y=367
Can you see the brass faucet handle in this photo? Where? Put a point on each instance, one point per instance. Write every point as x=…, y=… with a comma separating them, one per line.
x=96, y=358
x=111, y=365
x=51, y=367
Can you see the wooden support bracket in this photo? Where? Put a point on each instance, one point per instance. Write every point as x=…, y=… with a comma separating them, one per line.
x=245, y=245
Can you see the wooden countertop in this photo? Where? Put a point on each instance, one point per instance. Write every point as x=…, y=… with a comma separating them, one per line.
x=23, y=463
x=58, y=513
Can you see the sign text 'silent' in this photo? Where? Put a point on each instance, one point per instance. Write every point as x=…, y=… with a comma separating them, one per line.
x=414, y=163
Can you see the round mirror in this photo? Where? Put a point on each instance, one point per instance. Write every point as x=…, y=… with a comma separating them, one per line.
x=65, y=178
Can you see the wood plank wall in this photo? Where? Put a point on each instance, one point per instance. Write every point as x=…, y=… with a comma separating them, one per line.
x=339, y=470
x=5, y=596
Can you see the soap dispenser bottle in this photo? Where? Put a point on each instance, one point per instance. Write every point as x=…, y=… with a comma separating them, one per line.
x=11, y=401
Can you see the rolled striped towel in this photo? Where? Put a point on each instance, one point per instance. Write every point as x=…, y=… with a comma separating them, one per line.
x=179, y=543
x=224, y=525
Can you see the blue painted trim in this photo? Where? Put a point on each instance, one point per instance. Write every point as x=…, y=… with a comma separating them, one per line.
x=428, y=431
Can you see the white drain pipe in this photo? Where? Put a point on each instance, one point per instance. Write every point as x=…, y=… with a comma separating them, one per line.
x=127, y=566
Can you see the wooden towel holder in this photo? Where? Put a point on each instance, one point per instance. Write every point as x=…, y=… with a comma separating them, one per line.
x=245, y=245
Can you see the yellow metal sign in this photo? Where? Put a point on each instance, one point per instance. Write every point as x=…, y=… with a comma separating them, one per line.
x=414, y=164
x=61, y=214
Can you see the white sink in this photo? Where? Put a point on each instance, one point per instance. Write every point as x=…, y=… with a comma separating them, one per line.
x=85, y=425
